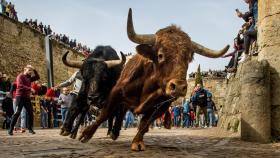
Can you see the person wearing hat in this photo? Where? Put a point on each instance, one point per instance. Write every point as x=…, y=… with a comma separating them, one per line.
x=23, y=92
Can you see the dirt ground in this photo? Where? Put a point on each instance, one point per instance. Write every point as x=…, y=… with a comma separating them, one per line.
x=162, y=143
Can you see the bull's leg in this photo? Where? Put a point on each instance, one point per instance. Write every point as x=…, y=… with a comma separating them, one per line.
x=142, y=108
x=79, y=121
x=88, y=132
x=106, y=112
x=147, y=119
x=110, y=124
x=72, y=113
x=118, y=122
x=167, y=120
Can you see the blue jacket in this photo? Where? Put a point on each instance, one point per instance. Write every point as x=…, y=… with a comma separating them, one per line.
x=211, y=105
x=176, y=111
x=200, y=97
x=186, y=107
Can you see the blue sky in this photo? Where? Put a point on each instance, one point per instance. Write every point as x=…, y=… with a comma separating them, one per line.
x=212, y=23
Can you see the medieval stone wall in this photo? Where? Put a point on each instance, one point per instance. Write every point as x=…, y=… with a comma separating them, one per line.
x=21, y=45
x=269, y=49
x=258, y=115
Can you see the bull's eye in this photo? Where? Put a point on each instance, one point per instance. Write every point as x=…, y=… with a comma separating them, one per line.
x=160, y=57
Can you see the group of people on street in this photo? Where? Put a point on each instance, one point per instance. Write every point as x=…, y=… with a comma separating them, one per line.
x=197, y=111
x=16, y=101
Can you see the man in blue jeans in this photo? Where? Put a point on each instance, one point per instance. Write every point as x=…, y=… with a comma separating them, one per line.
x=64, y=100
x=186, y=112
x=129, y=119
x=176, y=112
x=210, y=111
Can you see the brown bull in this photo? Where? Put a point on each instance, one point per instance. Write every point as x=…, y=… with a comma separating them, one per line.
x=153, y=78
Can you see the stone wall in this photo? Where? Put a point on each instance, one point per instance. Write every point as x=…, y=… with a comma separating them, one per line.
x=255, y=101
x=230, y=113
x=21, y=45
x=269, y=49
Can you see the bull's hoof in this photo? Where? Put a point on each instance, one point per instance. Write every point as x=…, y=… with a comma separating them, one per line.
x=74, y=134
x=114, y=136
x=109, y=133
x=61, y=131
x=66, y=133
x=138, y=146
x=167, y=124
x=85, y=136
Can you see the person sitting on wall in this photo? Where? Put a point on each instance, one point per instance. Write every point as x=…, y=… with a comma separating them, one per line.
x=250, y=17
x=235, y=55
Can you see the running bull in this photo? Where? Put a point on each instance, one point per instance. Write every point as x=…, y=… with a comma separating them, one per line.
x=99, y=73
x=153, y=78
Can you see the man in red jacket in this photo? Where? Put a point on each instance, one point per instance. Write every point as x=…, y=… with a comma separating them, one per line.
x=23, y=92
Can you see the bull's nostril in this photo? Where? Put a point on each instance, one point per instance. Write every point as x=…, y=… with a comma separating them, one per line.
x=172, y=86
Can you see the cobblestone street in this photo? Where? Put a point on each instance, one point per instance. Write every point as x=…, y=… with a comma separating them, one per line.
x=159, y=143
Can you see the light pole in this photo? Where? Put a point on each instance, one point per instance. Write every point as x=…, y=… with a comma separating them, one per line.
x=49, y=60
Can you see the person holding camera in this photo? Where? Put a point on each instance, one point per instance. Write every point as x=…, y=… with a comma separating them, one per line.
x=23, y=92
x=251, y=18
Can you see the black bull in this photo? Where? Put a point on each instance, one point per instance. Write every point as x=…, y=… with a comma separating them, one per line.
x=99, y=72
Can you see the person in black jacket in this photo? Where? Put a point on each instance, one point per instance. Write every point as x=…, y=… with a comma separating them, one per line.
x=7, y=106
x=199, y=99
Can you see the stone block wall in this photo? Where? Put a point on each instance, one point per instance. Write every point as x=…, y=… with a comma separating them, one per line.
x=21, y=45
x=269, y=49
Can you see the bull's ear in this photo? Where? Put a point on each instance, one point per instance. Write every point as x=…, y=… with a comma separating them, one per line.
x=147, y=51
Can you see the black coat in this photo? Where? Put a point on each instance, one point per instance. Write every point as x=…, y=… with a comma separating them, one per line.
x=7, y=106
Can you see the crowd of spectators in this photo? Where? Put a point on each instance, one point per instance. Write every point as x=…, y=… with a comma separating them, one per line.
x=197, y=111
x=8, y=9
x=245, y=41
x=210, y=74
x=62, y=38
x=49, y=105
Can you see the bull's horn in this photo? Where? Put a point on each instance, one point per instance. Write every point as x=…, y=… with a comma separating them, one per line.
x=137, y=38
x=199, y=49
x=113, y=63
x=74, y=64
